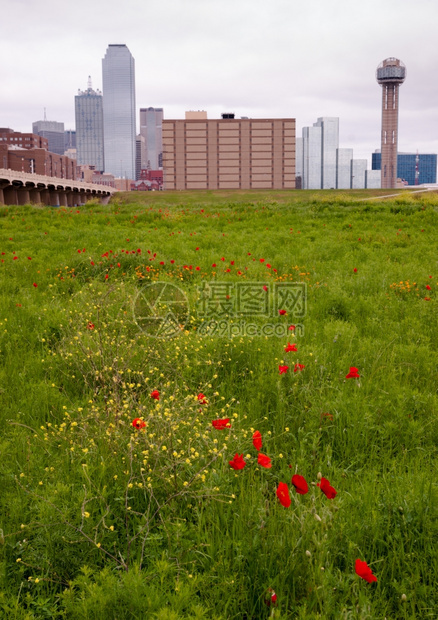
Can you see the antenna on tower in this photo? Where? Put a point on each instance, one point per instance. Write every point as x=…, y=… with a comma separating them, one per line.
x=89, y=86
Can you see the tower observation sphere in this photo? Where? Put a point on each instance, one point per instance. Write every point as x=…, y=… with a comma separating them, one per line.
x=390, y=74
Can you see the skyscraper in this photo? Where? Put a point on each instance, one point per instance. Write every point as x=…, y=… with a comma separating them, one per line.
x=320, y=144
x=89, y=128
x=390, y=74
x=329, y=144
x=151, y=128
x=54, y=132
x=118, y=81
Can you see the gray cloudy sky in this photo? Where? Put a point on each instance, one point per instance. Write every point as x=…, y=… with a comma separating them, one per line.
x=256, y=58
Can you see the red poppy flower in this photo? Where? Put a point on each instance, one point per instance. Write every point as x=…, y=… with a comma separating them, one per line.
x=265, y=288
x=90, y=326
x=172, y=261
x=282, y=312
x=363, y=570
x=298, y=367
x=257, y=440
x=283, y=369
x=291, y=328
x=283, y=494
x=237, y=462
x=355, y=270
x=35, y=284
x=353, y=374
x=214, y=265
x=270, y=598
x=428, y=287
x=262, y=260
x=201, y=398
x=138, y=423
x=221, y=424
x=16, y=258
x=327, y=489
x=29, y=258
x=155, y=395
x=264, y=461
x=300, y=484
x=290, y=347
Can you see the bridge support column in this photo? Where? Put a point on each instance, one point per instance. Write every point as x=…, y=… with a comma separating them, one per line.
x=54, y=198
x=2, y=197
x=23, y=196
x=10, y=195
x=45, y=197
x=35, y=196
x=63, y=199
x=105, y=199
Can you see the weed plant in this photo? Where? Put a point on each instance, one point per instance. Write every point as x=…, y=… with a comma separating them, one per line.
x=117, y=495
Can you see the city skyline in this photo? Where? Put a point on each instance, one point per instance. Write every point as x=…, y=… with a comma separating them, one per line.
x=317, y=60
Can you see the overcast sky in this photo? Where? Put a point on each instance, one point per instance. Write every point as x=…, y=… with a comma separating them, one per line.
x=256, y=58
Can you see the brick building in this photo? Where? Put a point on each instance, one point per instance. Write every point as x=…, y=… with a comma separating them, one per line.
x=36, y=161
x=228, y=153
x=24, y=140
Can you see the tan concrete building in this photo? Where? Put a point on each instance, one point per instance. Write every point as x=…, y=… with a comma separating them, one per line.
x=229, y=153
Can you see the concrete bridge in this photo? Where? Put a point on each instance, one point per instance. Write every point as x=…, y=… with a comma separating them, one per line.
x=20, y=188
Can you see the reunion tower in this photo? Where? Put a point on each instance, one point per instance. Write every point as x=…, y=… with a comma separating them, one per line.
x=390, y=74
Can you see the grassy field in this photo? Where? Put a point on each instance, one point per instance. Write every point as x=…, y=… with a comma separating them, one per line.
x=118, y=499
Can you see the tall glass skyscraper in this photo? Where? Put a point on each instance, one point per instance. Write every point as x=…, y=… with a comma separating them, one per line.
x=89, y=128
x=118, y=81
x=151, y=128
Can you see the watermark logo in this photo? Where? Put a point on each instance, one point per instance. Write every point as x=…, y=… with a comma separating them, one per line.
x=161, y=309
x=217, y=300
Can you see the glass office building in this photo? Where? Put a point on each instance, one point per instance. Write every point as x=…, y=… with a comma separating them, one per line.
x=151, y=128
x=118, y=81
x=54, y=132
x=89, y=128
x=406, y=166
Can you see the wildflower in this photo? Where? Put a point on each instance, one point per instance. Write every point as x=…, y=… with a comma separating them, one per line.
x=327, y=489
x=282, y=312
x=428, y=287
x=35, y=284
x=363, y=570
x=291, y=328
x=237, y=462
x=265, y=288
x=355, y=270
x=138, y=423
x=155, y=395
x=270, y=598
x=300, y=484
x=201, y=398
x=283, y=494
x=257, y=440
x=298, y=367
x=90, y=326
x=353, y=374
x=264, y=461
x=290, y=347
x=221, y=424
x=283, y=369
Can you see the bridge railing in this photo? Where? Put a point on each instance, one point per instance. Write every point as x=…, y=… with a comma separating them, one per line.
x=16, y=175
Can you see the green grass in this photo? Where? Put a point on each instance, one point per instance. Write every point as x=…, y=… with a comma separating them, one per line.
x=100, y=520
